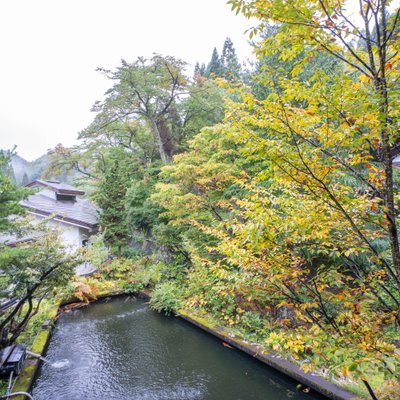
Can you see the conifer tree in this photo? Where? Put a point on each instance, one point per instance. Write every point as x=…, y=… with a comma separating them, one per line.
x=200, y=70
x=10, y=194
x=230, y=67
x=111, y=199
x=214, y=66
x=197, y=69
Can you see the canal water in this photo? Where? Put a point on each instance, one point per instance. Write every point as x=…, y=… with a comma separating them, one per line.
x=122, y=350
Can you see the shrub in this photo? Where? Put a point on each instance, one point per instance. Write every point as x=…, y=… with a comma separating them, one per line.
x=166, y=297
x=132, y=287
x=118, y=269
x=252, y=321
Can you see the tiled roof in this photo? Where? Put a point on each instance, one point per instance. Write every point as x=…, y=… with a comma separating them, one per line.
x=56, y=186
x=14, y=240
x=77, y=211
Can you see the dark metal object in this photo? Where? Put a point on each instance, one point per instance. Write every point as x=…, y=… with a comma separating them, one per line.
x=12, y=359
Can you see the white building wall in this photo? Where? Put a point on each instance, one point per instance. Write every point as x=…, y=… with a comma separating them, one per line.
x=71, y=235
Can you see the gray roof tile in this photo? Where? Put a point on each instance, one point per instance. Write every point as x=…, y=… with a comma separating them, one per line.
x=79, y=211
x=56, y=186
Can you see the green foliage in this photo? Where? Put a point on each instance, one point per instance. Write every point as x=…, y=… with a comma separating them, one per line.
x=150, y=276
x=166, y=297
x=131, y=253
x=287, y=209
x=227, y=66
x=118, y=269
x=230, y=66
x=214, y=66
x=142, y=214
x=132, y=287
x=31, y=272
x=145, y=92
x=10, y=195
x=34, y=326
x=199, y=70
x=252, y=321
x=97, y=252
x=204, y=107
x=110, y=197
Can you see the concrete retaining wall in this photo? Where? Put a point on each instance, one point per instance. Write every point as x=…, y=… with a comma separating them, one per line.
x=288, y=368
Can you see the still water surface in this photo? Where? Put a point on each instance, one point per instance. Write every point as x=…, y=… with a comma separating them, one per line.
x=122, y=350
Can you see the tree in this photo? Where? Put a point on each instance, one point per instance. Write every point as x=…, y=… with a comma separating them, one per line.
x=330, y=141
x=325, y=26
x=199, y=69
x=203, y=107
x=214, y=66
x=142, y=214
x=10, y=195
x=230, y=67
x=110, y=197
x=146, y=90
x=33, y=268
x=30, y=272
x=303, y=229
x=196, y=190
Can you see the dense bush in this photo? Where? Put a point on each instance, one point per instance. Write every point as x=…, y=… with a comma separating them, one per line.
x=166, y=297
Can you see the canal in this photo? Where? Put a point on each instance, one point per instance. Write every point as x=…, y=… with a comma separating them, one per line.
x=122, y=350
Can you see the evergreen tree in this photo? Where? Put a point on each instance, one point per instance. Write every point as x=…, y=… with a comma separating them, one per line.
x=10, y=194
x=200, y=70
x=203, y=69
x=142, y=214
x=111, y=199
x=197, y=69
x=230, y=67
x=214, y=66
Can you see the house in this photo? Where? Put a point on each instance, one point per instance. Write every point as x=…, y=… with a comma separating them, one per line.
x=76, y=217
x=396, y=161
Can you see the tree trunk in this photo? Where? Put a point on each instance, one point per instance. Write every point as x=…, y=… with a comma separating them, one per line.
x=381, y=87
x=161, y=141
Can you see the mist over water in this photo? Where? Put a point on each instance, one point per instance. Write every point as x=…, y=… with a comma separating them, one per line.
x=121, y=350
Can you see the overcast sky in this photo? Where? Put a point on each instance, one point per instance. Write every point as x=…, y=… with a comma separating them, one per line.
x=51, y=48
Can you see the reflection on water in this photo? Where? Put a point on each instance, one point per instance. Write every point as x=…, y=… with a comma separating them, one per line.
x=60, y=363
x=121, y=350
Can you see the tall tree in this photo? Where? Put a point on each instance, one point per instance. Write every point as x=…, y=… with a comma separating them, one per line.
x=110, y=197
x=10, y=194
x=199, y=69
x=323, y=134
x=230, y=67
x=146, y=90
x=306, y=232
x=325, y=26
x=214, y=66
